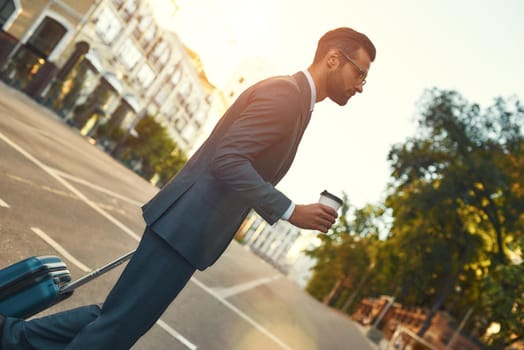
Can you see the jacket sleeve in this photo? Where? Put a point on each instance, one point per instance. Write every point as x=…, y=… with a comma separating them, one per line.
x=270, y=115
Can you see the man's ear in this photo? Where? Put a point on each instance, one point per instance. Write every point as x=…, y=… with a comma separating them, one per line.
x=332, y=58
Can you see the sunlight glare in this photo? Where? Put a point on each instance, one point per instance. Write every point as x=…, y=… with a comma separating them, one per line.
x=163, y=11
x=250, y=22
x=225, y=34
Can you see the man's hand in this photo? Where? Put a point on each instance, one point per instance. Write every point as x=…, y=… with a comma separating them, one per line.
x=315, y=216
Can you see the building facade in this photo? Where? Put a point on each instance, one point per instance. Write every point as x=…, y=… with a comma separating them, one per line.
x=281, y=245
x=104, y=62
x=301, y=269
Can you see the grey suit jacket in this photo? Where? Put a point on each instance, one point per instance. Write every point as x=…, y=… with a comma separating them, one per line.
x=251, y=148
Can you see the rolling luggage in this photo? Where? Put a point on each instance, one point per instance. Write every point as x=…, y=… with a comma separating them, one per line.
x=36, y=283
x=31, y=285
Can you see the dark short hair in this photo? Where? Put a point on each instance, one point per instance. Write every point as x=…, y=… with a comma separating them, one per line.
x=346, y=39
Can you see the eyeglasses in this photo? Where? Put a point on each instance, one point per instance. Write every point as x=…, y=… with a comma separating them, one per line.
x=362, y=74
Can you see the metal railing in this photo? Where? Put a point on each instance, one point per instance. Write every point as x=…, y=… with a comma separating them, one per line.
x=405, y=339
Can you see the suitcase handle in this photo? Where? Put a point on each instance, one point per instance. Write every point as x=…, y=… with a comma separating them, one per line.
x=15, y=285
x=70, y=287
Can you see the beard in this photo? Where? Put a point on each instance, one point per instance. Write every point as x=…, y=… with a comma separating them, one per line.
x=336, y=89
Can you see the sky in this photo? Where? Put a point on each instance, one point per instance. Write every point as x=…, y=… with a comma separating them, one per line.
x=473, y=46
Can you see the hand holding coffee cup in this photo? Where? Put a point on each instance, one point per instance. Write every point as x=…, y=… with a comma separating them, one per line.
x=317, y=217
x=330, y=200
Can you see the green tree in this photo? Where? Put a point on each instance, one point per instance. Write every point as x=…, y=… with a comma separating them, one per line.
x=345, y=256
x=503, y=302
x=457, y=201
x=154, y=150
x=325, y=276
x=170, y=165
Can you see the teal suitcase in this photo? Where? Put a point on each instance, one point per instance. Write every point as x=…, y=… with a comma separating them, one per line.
x=32, y=285
x=36, y=283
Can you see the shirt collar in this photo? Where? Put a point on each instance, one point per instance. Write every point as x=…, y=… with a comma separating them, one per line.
x=313, y=89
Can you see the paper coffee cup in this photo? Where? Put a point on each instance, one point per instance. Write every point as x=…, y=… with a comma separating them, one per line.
x=330, y=199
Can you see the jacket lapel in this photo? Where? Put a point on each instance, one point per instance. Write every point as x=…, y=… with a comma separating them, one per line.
x=304, y=117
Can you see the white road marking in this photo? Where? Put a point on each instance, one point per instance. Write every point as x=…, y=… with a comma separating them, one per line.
x=176, y=335
x=67, y=194
x=61, y=250
x=3, y=204
x=95, y=187
x=240, y=288
x=241, y=314
x=70, y=187
x=64, y=252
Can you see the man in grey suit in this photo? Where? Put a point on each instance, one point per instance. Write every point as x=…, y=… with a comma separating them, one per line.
x=191, y=221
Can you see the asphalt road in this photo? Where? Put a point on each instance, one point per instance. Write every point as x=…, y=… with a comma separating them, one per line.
x=60, y=195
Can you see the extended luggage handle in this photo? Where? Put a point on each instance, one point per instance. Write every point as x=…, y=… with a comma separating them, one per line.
x=70, y=287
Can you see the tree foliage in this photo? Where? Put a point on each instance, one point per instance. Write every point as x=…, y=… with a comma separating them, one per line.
x=346, y=255
x=456, y=198
x=154, y=150
x=456, y=188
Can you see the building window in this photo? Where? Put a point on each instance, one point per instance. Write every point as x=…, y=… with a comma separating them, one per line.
x=161, y=96
x=129, y=9
x=118, y=3
x=158, y=50
x=144, y=24
x=200, y=117
x=46, y=37
x=189, y=132
x=149, y=35
x=7, y=10
x=129, y=54
x=180, y=124
x=168, y=71
x=145, y=75
x=175, y=78
x=162, y=60
x=169, y=106
x=108, y=25
x=191, y=107
x=185, y=90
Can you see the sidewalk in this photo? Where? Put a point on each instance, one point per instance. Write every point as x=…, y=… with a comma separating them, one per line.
x=16, y=100
x=382, y=345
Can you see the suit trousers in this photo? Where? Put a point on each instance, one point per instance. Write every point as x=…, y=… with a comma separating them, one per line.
x=150, y=282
